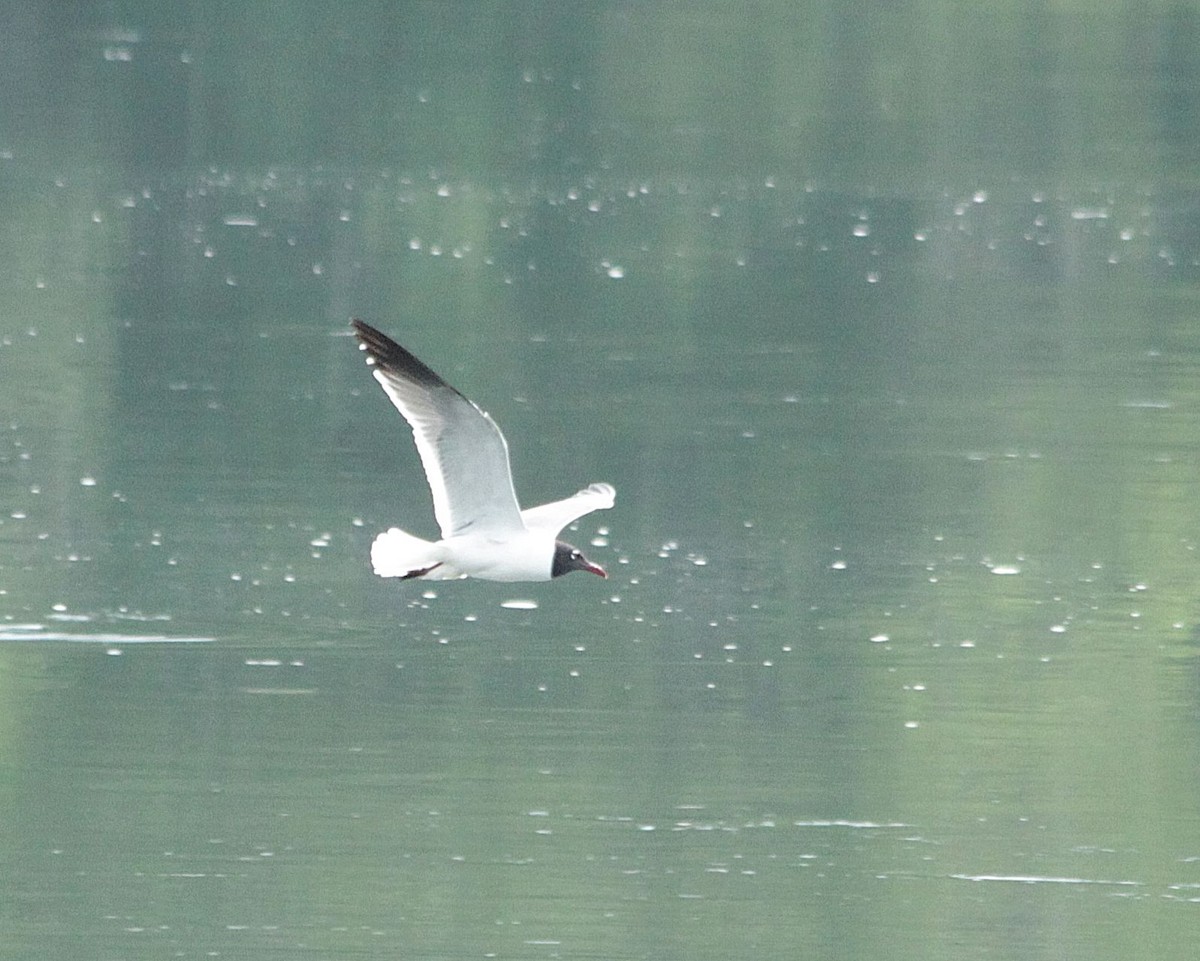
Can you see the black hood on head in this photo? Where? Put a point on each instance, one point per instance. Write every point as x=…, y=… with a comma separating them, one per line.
x=568, y=558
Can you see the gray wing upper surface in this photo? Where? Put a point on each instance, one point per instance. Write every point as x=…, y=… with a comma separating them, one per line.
x=462, y=450
x=553, y=517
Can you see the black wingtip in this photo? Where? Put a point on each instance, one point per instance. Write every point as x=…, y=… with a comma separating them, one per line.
x=390, y=356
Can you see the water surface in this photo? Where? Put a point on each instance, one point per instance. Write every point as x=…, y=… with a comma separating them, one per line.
x=885, y=335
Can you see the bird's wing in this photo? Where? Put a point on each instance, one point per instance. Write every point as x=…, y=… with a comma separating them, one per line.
x=462, y=450
x=553, y=517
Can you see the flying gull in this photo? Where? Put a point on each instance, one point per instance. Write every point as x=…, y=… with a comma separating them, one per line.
x=485, y=533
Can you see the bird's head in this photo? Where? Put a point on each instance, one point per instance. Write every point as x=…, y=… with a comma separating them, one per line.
x=568, y=558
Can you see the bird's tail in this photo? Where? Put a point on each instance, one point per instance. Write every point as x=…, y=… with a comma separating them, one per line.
x=397, y=553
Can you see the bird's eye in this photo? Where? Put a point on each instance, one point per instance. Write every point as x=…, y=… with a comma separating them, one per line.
x=575, y=555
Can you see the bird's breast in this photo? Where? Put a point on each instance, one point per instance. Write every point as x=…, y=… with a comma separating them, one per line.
x=522, y=556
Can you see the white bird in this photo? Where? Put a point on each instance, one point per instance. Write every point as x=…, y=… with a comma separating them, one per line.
x=485, y=533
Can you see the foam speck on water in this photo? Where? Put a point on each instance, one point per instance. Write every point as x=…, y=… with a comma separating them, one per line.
x=520, y=604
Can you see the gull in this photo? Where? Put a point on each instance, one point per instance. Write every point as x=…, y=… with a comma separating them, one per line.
x=485, y=533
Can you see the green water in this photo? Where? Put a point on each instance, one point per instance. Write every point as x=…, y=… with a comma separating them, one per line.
x=883, y=323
